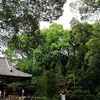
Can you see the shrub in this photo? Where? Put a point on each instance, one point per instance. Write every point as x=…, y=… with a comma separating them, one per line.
x=98, y=95
x=89, y=97
x=97, y=89
x=85, y=92
x=70, y=91
x=81, y=97
x=68, y=96
x=14, y=84
x=73, y=97
x=57, y=97
x=78, y=92
x=41, y=98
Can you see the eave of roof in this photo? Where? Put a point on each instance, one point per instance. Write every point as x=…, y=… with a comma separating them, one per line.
x=6, y=70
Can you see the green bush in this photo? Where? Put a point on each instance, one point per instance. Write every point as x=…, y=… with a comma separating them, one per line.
x=57, y=97
x=80, y=97
x=78, y=92
x=41, y=98
x=89, y=97
x=95, y=98
x=97, y=89
x=85, y=92
x=70, y=91
x=73, y=97
x=67, y=96
x=98, y=95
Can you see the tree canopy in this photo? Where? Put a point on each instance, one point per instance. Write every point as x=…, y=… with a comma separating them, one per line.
x=88, y=9
x=18, y=16
x=54, y=54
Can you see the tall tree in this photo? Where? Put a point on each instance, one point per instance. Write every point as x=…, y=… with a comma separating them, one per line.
x=51, y=89
x=18, y=16
x=79, y=36
x=54, y=47
x=88, y=9
x=93, y=57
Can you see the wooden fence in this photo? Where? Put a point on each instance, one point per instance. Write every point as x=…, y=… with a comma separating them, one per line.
x=15, y=97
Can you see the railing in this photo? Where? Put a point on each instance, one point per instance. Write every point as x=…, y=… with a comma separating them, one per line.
x=15, y=97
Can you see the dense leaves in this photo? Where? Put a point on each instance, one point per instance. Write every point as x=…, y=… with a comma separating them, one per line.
x=93, y=56
x=88, y=9
x=55, y=54
x=18, y=16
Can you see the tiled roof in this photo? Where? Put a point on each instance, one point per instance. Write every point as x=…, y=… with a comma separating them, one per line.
x=7, y=70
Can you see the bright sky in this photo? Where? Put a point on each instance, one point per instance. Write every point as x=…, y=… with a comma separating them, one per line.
x=65, y=19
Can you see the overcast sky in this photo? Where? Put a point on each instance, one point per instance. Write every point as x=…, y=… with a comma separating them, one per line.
x=65, y=19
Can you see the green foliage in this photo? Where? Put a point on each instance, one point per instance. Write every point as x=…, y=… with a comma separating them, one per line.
x=97, y=89
x=70, y=91
x=80, y=97
x=56, y=40
x=78, y=92
x=98, y=95
x=56, y=37
x=43, y=83
x=86, y=9
x=37, y=70
x=58, y=72
x=29, y=13
x=71, y=62
x=67, y=96
x=72, y=55
x=92, y=56
x=51, y=85
x=85, y=92
x=57, y=97
x=74, y=22
x=20, y=20
x=89, y=97
x=41, y=98
x=30, y=86
x=14, y=84
x=74, y=97
x=80, y=34
x=69, y=77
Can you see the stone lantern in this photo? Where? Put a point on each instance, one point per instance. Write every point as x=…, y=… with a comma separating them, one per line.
x=63, y=89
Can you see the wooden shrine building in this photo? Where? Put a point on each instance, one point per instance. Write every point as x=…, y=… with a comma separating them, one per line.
x=9, y=74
